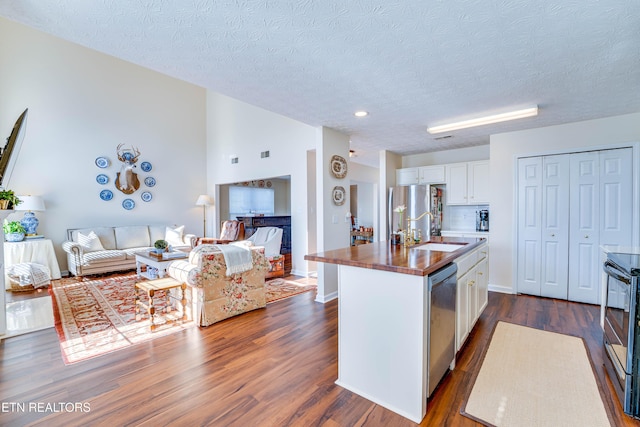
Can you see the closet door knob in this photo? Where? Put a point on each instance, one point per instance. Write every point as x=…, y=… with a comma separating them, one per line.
x=553, y=235
x=586, y=236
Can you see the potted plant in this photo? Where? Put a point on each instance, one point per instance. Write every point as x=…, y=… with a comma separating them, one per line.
x=161, y=246
x=8, y=199
x=13, y=231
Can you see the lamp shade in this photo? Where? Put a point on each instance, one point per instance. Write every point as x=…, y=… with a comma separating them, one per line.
x=30, y=203
x=204, y=200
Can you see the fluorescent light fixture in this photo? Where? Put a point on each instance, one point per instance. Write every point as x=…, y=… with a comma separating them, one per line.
x=496, y=118
x=361, y=113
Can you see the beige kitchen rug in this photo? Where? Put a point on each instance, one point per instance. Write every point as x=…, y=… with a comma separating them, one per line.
x=531, y=377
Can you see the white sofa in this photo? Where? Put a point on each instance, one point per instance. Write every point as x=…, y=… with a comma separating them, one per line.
x=105, y=249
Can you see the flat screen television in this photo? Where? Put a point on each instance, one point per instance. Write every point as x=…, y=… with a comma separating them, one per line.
x=9, y=152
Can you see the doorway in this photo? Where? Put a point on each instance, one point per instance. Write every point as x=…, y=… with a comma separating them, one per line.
x=363, y=212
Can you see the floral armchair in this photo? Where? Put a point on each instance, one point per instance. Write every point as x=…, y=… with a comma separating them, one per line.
x=213, y=295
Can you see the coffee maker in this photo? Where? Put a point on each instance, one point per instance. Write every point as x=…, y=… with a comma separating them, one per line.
x=482, y=220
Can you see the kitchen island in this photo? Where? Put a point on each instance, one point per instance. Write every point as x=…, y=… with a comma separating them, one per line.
x=384, y=318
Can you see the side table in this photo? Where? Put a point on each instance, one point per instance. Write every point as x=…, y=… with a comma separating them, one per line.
x=150, y=287
x=39, y=251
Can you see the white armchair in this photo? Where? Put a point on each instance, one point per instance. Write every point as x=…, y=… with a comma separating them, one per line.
x=268, y=237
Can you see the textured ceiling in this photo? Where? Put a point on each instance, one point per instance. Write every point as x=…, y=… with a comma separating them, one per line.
x=410, y=63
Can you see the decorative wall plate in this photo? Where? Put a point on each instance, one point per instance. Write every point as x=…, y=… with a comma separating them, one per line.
x=338, y=195
x=149, y=181
x=102, y=162
x=146, y=196
x=102, y=179
x=128, y=204
x=106, y=195
x=338, y=166
x=146, y=166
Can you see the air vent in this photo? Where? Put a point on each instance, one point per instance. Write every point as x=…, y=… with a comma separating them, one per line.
x=264, y=154
x=443, y=137
x=234, y=160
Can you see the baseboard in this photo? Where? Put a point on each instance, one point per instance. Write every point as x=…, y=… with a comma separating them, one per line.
x=326, y=298
x=501, y=289
x=302, y=273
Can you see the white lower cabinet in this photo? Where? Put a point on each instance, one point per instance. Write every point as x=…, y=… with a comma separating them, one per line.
x=472, y=291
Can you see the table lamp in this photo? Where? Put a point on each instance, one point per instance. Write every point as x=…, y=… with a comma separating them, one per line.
x=204, y=201
x=30, y=204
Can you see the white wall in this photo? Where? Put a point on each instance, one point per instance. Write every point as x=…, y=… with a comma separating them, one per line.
x=312, y=212
x=507, y=147
x=82, y=104
x=237, y=129
x=333, y=225
x=480, y=152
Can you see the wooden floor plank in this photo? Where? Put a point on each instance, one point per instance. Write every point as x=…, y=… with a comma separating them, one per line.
x=273, y=366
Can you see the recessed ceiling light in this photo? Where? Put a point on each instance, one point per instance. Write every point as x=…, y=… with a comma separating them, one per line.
x=361, y=113
x=496, y=118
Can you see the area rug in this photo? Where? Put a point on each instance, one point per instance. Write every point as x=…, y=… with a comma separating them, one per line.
x=96, y=317
x=279, y=289
x=531, y=377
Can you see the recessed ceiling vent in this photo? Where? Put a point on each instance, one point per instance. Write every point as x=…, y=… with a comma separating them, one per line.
x=443, y=137
x=264, y=154
x=234, y=160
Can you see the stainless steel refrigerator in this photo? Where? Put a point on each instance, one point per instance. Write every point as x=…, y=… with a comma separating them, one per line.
x=417, y=199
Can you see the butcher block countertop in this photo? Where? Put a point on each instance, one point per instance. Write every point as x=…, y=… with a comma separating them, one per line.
x=396, y=258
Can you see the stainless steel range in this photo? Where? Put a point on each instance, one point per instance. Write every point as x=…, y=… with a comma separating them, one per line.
x=621, y=328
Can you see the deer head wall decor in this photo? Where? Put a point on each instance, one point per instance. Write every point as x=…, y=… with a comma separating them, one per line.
x=127, y=180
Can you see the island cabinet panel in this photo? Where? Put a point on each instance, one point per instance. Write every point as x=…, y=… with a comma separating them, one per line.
x=382, y=345
x=472, y=292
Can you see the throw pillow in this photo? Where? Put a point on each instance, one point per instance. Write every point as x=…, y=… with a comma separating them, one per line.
x=90, y=242
x=174, y=236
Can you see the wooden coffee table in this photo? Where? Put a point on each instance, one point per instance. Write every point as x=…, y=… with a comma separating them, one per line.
x=145, y=258
x=150, y=287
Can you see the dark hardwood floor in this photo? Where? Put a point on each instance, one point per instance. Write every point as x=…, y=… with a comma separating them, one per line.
x=270, y=367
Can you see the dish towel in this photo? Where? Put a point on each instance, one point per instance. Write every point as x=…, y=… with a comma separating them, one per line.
x=238, y=259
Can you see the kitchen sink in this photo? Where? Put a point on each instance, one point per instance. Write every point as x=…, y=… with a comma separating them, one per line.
x=440, y=247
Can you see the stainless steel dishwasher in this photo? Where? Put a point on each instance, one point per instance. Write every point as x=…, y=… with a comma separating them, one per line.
x=442, y=323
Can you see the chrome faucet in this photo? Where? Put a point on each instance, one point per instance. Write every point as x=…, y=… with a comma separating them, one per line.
x=409, y=238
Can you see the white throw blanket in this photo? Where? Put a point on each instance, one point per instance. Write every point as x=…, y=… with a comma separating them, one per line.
x=25, y=274
x=238, y=259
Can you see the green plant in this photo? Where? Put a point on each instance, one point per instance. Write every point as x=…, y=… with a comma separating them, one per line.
x=160, y=244
x=10, y=197
x=12, y=227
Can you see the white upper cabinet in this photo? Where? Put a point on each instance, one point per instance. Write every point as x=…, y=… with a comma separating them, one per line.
x=432, y=174
x=456, y=184
x=468, y=183
x=421, y=175
x=407, y=176
x=478, y=182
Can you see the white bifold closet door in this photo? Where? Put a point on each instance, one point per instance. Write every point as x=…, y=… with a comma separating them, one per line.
x=569, y=205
